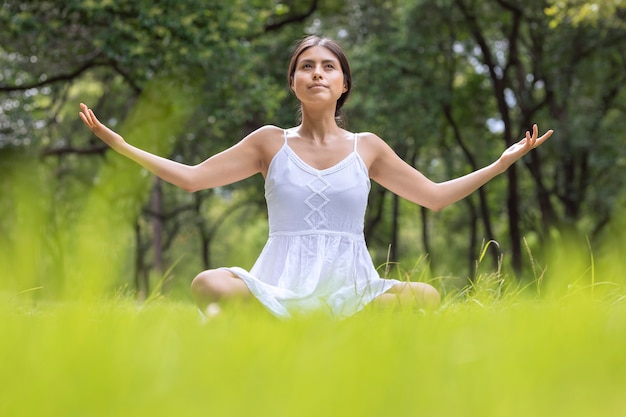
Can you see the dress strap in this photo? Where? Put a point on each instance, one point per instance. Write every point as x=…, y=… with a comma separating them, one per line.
x=356, y=139
x=285, y=135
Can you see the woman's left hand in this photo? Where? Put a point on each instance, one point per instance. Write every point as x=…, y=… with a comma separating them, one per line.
x=521, y=148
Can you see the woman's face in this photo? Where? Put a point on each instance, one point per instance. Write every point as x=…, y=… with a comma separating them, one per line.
x=318, y=77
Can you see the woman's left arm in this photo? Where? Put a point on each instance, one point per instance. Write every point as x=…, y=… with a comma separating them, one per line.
x=390, y=171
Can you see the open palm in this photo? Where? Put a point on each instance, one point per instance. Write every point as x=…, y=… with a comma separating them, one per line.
x=101, y=131
x=521, y=148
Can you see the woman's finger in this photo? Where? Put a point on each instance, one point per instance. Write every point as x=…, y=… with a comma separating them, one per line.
x=88, y=116
x=544, y=137
x=92, y=116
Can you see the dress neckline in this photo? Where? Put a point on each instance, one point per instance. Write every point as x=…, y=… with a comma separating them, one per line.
x=307, y=167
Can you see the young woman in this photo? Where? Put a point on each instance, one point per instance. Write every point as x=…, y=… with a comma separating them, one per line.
x=317, y=180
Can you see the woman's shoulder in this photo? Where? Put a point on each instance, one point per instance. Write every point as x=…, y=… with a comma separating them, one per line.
x=265, y=135
x=267, y=131
x=372, y=148
x=267, y=140
x=368, y=136
x=371, y=141
x=270, y=129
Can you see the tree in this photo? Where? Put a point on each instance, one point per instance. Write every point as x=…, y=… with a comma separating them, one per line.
x=108, y=54
x=538, y=73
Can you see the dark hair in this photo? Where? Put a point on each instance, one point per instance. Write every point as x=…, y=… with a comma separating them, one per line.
x=332, y=46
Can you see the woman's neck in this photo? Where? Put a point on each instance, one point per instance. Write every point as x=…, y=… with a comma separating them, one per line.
x=318, y=126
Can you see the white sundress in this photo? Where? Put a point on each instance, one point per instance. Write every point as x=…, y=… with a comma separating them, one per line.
x=315, y=258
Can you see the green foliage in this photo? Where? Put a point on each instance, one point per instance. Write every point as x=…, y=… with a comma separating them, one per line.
x=83, y=255
x=143, y=37
x=28, y=246
x=114, y=202
x=581, y=12
x=422, y=82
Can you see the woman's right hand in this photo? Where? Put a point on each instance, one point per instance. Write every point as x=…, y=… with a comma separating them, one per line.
x=108, y=136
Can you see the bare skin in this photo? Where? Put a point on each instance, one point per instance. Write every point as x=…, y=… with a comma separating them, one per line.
x=318, y=83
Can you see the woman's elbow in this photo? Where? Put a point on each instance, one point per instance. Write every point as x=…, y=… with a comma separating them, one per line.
x=429, y=198
x=190, y=188
x=191, y=181
x=433, y=203
x=435, y=207
x=186, y=184
x=429, y=205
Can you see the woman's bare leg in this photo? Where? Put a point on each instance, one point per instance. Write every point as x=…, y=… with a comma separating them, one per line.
x=211, y=285
x=406, y=294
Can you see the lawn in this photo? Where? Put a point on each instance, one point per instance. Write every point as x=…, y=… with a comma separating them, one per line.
x=522, y=356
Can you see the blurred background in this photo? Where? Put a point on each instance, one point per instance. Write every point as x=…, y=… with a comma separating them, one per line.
x=447, y=83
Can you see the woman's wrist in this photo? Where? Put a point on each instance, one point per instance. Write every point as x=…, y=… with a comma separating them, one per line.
x=501, y=166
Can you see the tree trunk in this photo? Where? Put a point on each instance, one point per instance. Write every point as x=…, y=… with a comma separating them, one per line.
x=393, y=253
x=471, y=252
x=374, y=211
x=156, y=206
x=426, y=235
x=205, y=238
x=142, y=284
x=515, y=234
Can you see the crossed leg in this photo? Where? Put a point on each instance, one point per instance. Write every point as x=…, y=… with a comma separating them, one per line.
x=410, y=294
x=211, y=285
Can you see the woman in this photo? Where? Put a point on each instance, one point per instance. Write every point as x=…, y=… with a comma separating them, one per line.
x=317, y=179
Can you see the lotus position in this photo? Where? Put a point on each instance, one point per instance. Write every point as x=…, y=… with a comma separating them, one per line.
x=317, y=179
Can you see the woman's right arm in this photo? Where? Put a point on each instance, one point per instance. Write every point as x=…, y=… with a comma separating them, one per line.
x=236, y=163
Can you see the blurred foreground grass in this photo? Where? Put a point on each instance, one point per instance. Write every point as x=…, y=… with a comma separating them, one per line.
x=522, y=358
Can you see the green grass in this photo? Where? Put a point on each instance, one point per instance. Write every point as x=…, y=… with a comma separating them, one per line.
x=519, y=357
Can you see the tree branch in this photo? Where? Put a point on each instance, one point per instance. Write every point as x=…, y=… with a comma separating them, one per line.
x=65, y=150
x=297, y=18
x=57, y=78
x=511, y=6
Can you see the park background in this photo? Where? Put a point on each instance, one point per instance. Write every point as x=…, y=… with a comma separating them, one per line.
x=448, y=84
x=95, y=252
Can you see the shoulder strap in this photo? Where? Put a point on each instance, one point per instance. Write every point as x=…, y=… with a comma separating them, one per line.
x=285, y=131
x=356, y=139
